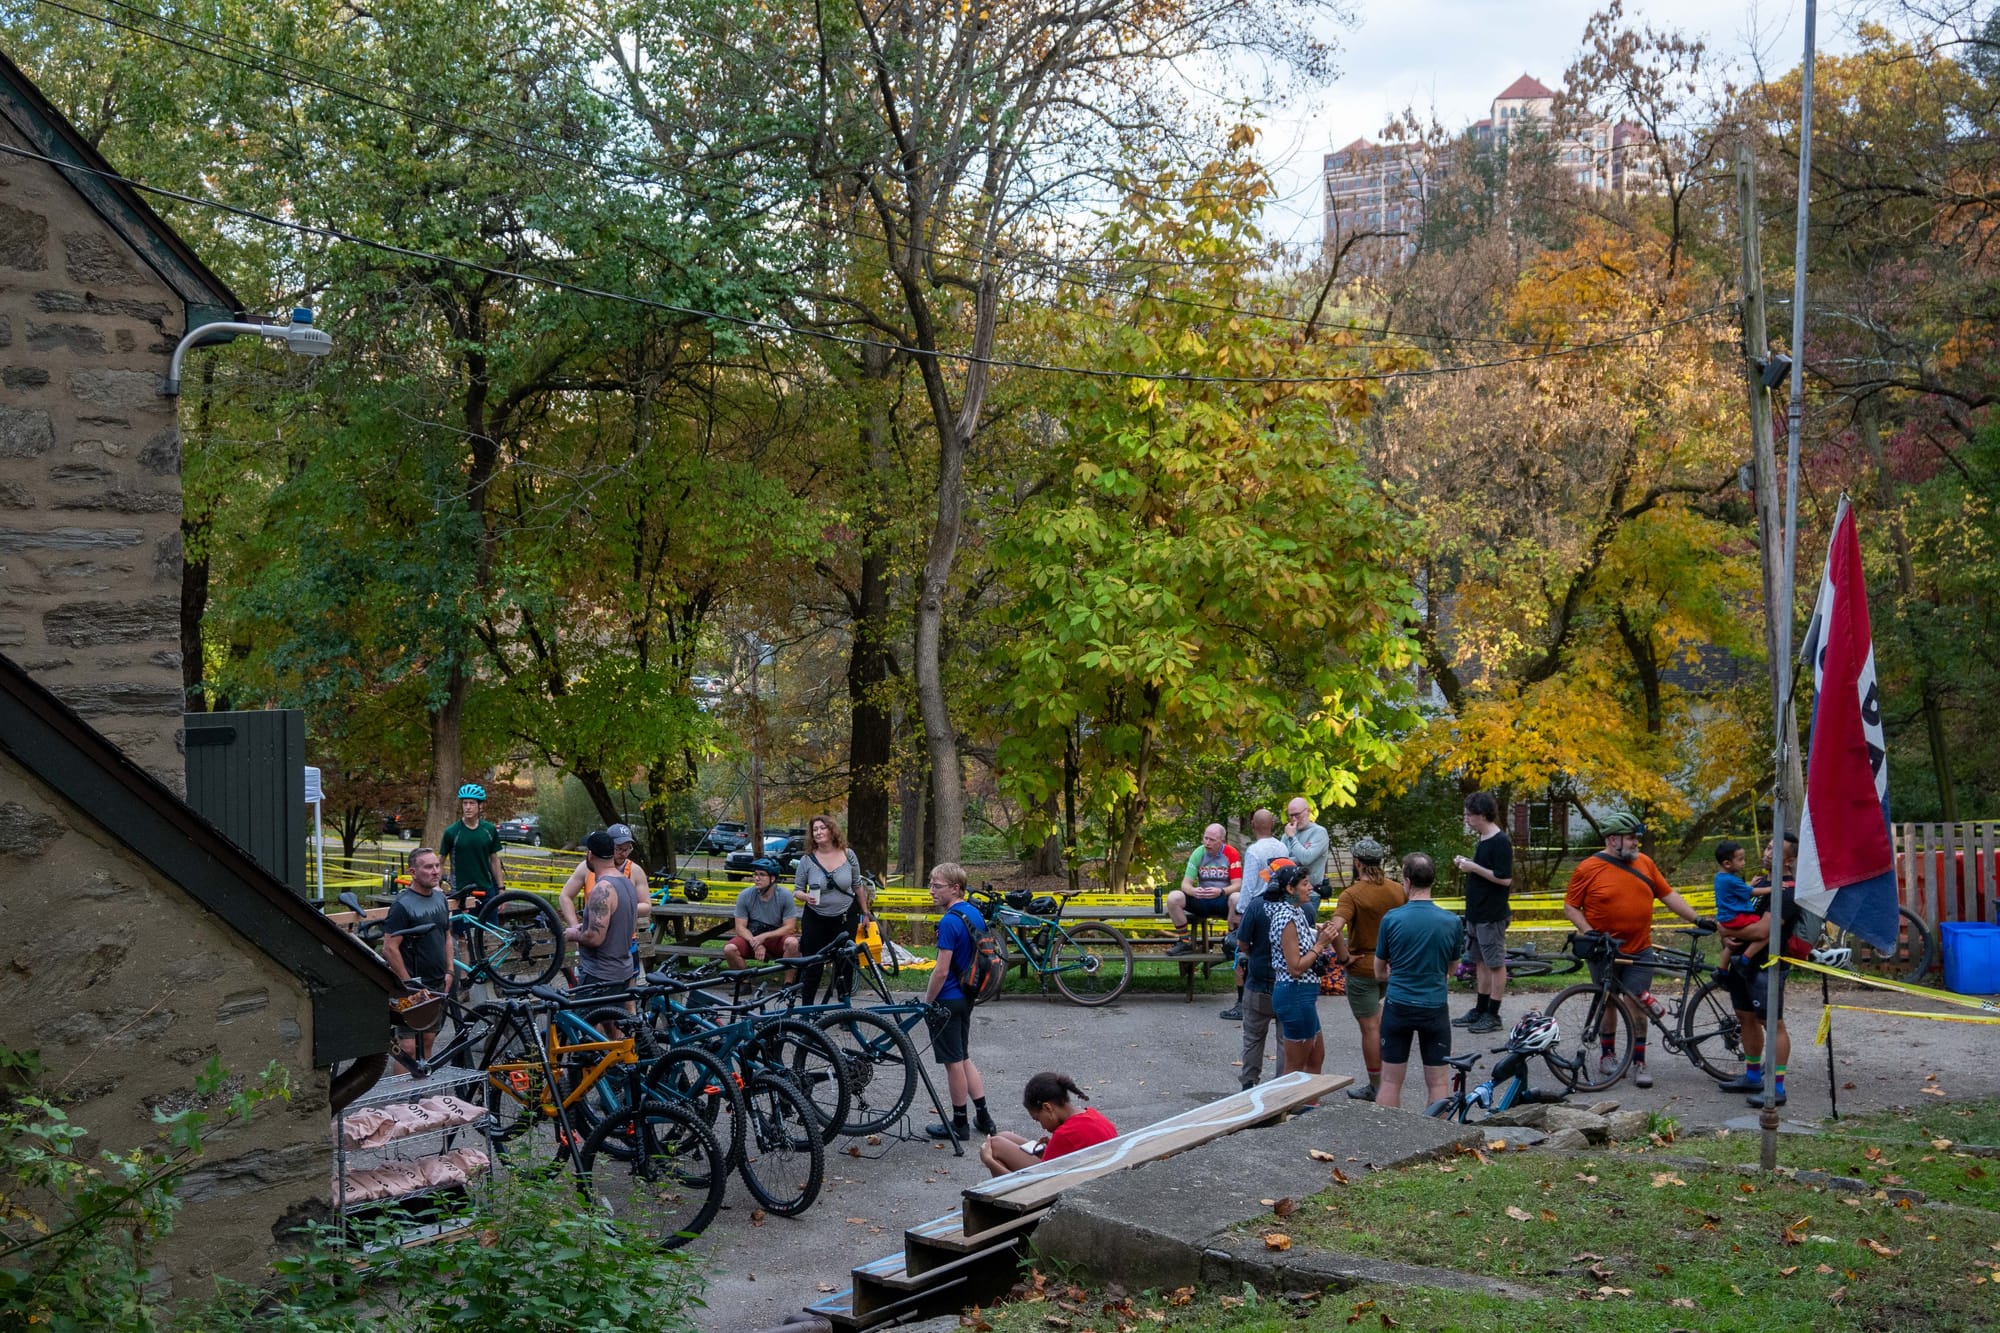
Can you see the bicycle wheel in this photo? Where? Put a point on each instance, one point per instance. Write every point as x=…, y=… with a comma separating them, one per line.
x=881, y=1064
x=1446, y=1108
x=658, y=1165
x=696, y=1078
x=1583, y=1063
x=1710, y=1033
x=1910, y=960
x=1092, y=962
x=1522, y=963
x=807, y=1056
x=784, y=1157
x=520, y=939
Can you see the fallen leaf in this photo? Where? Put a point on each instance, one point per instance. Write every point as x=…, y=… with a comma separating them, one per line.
x=1339, y=1176
x=853, y=1150
x=1284, y=1208
x=1484, y=1160
x=1320, y=1155
x=975, y=1322
x=1229, y=1302
x=1277, y=1240
x=1836, y=1296
x=1682, y=1302
x=1497, y=1144
x=1878, y=1248
x=1387, y=1322
x=1588, y=1180
x=1360, y=1308
x=1056, y=1321
x=1873, y=1154
x=859, y=1221
x=1268, y=1203
x=1942, y=1145
x=1614, y=1291
x=1661, y=1179
x=826, y=1286
x=1585, y=1257
x=1181, y=1296
x=1823, y=1270
x=1548, y=1216
x=1519, y=1214
x=1848, y=1087
x=1600, y=1272
x=875, y=1141
x=1736, y=1289
x=756, y=1217
x=1935, y=1092
x=1787, y=1272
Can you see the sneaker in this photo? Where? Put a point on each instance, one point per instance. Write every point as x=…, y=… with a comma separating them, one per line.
x=1233, y=1014
x=941, y=1131
x=1607, y=1065
x=1364, y=1092
x=1181, y=947
x=1486, y=1022
x=1757, y=1102
x=1467, y=1019
x=1742, y=1083
x=1641, y=1077
x=983, y=1122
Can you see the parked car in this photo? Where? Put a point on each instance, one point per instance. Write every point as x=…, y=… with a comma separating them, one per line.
x=785, y=848
x=706, y=684
x=724, y=836
x=522, y=828
x=402, y=824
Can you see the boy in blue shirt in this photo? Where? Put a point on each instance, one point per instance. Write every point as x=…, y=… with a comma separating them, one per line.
x=1736, y=904
x=950, y=1017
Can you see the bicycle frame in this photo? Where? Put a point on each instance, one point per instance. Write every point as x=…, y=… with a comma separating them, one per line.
x=507, y=1075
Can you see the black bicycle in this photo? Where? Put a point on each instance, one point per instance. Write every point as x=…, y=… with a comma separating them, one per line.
x=1699, y=1023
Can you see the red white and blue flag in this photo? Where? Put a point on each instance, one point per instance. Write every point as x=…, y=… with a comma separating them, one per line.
x=1847, y=861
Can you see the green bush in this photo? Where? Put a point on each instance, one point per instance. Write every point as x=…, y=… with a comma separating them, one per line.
x=527, y=1255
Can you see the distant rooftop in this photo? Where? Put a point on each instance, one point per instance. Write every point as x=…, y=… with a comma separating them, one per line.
x=1524, y=88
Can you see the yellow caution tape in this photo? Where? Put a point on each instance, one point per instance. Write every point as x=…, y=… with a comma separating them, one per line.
x=1826, y=1018
x=1906, y=987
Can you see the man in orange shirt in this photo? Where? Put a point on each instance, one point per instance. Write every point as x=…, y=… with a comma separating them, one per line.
x=1613, y=891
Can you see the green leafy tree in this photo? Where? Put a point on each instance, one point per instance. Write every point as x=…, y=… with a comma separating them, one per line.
x=1206, y=579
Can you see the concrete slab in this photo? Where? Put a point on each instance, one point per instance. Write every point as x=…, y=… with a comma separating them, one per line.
x=1167, y=1223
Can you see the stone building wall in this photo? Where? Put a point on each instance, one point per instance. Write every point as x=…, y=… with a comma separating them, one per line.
x=90, y=495
x=127, y=989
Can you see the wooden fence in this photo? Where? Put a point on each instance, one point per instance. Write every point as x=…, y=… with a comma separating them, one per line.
x=1946, y=872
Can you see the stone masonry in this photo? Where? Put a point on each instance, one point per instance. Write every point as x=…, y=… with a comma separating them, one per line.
x=90, y=495
x=126, y=991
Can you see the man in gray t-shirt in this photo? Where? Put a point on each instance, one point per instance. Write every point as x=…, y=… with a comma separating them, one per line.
x=1305, y=841
x=767, y=920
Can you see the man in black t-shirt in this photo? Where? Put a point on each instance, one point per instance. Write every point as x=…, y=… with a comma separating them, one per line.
x=420, y=961
x=1489, y=876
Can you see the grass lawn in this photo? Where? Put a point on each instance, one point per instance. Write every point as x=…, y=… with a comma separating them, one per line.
x=1625, y=1239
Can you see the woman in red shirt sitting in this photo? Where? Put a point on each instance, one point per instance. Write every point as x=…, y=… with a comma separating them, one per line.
x=1047, y=1102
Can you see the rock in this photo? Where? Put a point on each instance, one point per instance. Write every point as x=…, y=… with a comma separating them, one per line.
x=24, y=832
x=24, y=238
x=25, y=432
x=97, y=261
x=1575, y=1140
x=1626, y=1125
x=115, y=390
x=81, y=624
x=1603, y=1108
x=1514, y=1136
x=74, y=539
x=73, y=337
x=21, y=377
x=1532, y=1116
x=1591, y=1126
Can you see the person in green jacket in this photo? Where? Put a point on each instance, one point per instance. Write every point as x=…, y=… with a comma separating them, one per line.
x=473, y=845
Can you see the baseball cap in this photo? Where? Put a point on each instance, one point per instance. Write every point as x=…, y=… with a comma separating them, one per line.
x=600, y=844
x=620, y=833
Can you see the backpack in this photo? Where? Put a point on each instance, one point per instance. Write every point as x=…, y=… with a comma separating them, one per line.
x=980, y=979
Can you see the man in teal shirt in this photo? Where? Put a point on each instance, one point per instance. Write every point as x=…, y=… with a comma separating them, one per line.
x=473, y=845
x=1415, y=949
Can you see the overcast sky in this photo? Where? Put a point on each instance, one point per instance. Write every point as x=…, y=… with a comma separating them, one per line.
x=1454, y=55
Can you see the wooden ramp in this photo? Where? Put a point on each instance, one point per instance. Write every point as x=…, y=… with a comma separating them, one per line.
x=968, y=1257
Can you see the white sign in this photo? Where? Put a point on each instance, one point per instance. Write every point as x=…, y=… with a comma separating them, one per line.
x=313, y=793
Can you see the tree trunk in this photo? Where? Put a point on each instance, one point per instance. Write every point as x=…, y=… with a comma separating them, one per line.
x=1072, y=762
x=945, y=829
x=1132, y=810
x=447, y=729
x=664, y=778
x=1045, y=858
x=1929, y=695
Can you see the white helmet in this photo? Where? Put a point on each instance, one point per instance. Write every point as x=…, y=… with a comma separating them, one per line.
x=1535, y=1032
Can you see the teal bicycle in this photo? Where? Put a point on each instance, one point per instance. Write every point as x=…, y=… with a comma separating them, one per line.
x=1090, y=962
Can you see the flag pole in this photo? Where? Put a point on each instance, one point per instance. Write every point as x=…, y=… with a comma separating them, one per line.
x=1782, y=817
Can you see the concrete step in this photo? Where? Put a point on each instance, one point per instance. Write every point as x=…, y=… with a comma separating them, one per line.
x=942, y=1240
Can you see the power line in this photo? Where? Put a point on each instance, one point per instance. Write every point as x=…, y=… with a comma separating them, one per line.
x=769, y=328
x=288, y=67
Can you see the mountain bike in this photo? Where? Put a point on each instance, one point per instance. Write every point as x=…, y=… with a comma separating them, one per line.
x=1914, y=955
x=1090, y=962
x=1699, y=1023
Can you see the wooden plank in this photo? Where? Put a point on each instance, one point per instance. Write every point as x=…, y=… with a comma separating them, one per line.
x=1954, y=875
x=1986, y=873
x=994, y=1202
x=937, y=1242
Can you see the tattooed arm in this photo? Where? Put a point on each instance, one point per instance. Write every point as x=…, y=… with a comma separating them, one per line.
x=596, y=917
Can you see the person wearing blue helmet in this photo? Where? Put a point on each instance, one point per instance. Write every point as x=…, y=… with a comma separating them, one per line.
x=473, y=844
x=767, y=921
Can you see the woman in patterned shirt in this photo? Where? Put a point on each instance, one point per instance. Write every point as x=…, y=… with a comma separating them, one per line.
x=1303, y=949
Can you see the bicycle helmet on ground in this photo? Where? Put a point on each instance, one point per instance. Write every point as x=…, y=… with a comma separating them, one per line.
x=1535, y=1032
x=1371, y=851
x=1622, y=823
x=472, y=791
x=768, y=866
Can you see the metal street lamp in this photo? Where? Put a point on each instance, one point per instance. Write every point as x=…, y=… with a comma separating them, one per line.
x=299, y=336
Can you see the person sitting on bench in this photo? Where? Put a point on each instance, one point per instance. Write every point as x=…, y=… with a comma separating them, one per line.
x=1047, y=1100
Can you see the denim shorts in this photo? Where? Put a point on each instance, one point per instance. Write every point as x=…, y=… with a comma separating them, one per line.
x=1296, y=1007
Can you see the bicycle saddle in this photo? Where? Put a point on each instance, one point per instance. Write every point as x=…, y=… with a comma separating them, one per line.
x=1464, y=1062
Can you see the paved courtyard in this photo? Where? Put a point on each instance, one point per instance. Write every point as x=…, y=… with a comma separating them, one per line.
x=1148, y=1057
